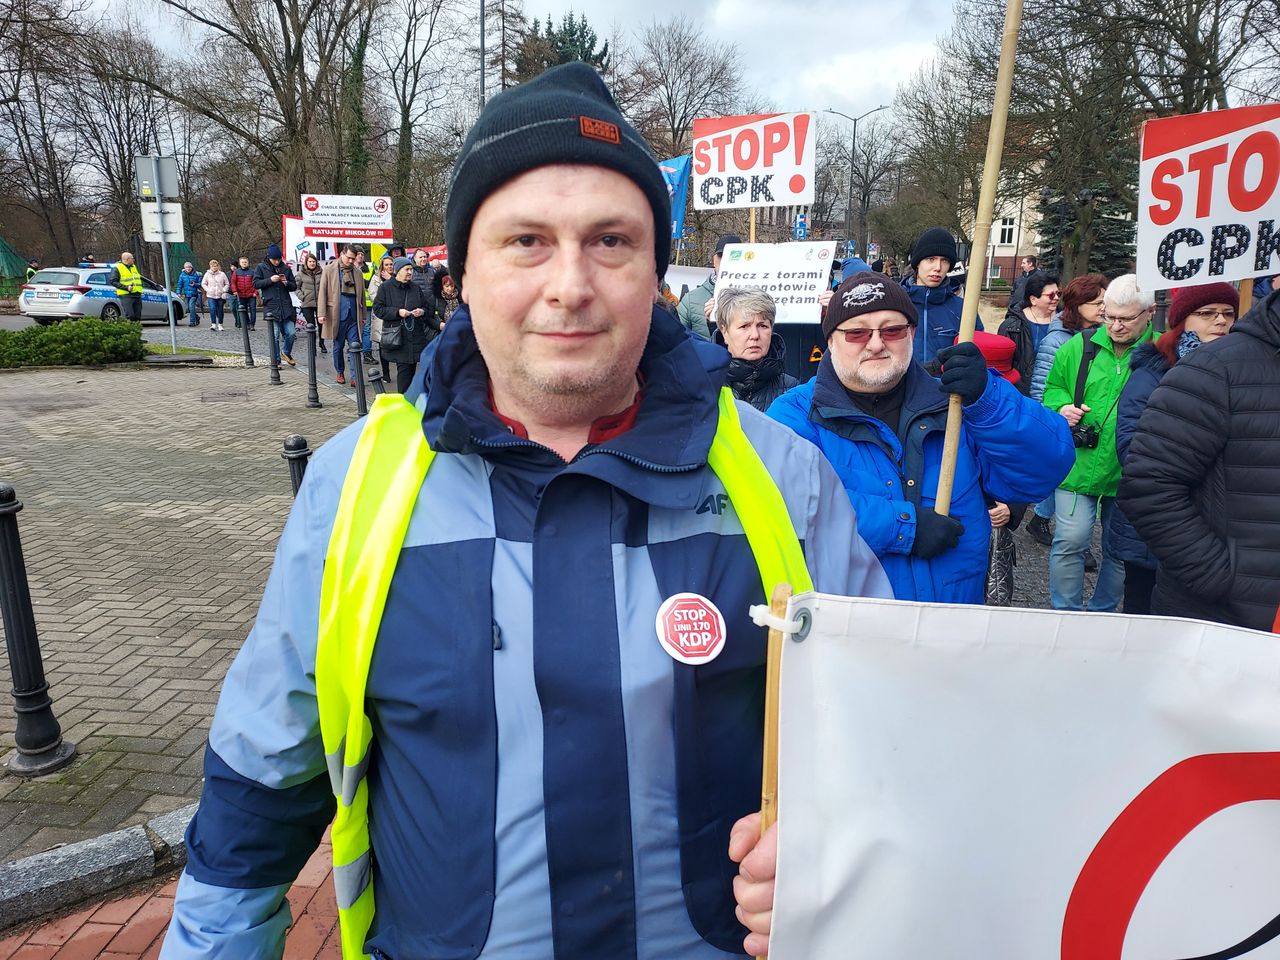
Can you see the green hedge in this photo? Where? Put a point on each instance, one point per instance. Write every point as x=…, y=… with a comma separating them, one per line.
x=85, y=342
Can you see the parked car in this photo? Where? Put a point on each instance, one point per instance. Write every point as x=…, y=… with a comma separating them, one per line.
x=56, y=293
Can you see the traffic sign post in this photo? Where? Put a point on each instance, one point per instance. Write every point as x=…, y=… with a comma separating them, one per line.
x=801, y=227
x=157, y=218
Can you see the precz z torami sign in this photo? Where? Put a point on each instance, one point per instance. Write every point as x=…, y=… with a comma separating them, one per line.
x=1209, y=204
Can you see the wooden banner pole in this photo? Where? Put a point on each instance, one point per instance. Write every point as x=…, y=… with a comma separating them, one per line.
x=751, y=233
x=981, y=238
x=772, y=688
x=1246, y=296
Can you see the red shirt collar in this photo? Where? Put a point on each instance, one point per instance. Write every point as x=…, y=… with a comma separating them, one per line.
x=602, y=429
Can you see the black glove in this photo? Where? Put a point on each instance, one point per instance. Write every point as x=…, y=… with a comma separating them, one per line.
x=935, y=533
x=964, y=371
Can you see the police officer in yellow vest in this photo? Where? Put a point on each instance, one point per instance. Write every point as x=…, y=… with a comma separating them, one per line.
x=127, y=280
x=33, y=267
x=505, y=646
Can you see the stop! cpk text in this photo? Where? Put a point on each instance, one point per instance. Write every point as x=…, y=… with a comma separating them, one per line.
x=763, y=160
x=1209, y=206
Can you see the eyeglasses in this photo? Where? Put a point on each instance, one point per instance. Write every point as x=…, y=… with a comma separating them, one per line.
x=1115, y=318
x=1052, y=295
x=1208, y=316
x=890, y=334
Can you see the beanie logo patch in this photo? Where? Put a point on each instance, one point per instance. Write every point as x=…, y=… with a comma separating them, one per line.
x=863, y=294
x=601, y=130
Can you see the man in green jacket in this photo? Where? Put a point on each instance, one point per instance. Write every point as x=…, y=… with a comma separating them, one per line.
x=695, y=310
x=1088, y=493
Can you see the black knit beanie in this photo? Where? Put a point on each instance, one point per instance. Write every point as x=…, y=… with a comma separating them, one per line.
x=934, y=242
x=863, y=293
x=565, y=115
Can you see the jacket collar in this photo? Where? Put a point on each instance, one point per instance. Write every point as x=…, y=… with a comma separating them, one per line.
x=931, y=296
x=658, y=460
x=1263, y=321
x=924, y=394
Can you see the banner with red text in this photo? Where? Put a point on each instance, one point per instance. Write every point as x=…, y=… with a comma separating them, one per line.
x=1209, y=204
x=962, y=782
x=351, y=218
x=762, y=160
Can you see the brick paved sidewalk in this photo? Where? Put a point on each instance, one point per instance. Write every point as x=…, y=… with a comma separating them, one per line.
x=132, y=927
x=153, y=502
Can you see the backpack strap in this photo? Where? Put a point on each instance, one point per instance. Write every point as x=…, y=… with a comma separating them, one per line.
x=1091, y=348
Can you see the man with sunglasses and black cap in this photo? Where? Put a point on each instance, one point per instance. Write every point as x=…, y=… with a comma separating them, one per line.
x=880, y=419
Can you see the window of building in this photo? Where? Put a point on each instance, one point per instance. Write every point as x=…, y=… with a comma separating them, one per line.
x=1006, y=231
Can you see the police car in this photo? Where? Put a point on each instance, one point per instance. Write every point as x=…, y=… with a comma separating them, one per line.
x=55, y=293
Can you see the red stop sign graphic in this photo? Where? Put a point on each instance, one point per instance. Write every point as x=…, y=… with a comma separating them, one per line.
x=312, y=204
x=690, y=628
x=380, y=205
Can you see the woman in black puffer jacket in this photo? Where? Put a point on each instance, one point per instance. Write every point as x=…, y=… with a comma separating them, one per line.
x=1202, y=480
x=403, y=309
x=1192, y=322
x=744, y=325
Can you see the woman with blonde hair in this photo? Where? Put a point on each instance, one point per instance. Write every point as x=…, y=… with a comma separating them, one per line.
x=216, y=286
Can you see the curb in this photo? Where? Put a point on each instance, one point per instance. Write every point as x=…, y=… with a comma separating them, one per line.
x=66, y=876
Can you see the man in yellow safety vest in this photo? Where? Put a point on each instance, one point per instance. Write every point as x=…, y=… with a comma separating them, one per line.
x=127, y=280
x=505, y=647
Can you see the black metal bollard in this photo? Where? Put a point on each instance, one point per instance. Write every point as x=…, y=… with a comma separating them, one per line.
x=243, y=321
x=272, y=323
x=38, y=735
x=356, y=356
x=375, y=380
x=297, y=454
x=313, y=394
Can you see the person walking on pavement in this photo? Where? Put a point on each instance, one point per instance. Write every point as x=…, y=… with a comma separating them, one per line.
x=507, y=789
x=340, y=307
x=408, y=322
x=247, y=294
x=1197, y=315
x=274, y=280
x=127, y=280
x=1082, y=302
x=308, y=280
x=937, y=304
x=188, y=288
x=1028, y=325
x=446, y=296
x=880, y=419
x=1084, y=386
x=1202, y=479
x=386, y=271
x=1018, y=298
x=215, y=285
x=697, y=307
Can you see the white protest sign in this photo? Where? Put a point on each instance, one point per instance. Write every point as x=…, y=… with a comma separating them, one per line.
x=762, y=160
x=959, y=782
x=794, y=274
x=1209, y=206
x=337, y=216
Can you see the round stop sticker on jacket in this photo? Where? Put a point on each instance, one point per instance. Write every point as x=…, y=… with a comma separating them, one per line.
x=690, y=628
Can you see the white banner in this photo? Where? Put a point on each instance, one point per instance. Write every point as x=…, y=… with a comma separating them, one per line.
x=1209, y=205
x=162, y=221
x=966, y=782
x=337, y=216
x=792, y=273
x=762, y=160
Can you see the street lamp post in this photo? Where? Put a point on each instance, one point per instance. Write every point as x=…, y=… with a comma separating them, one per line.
x=853, y=153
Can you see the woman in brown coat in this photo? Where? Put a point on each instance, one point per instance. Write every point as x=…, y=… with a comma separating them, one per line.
x=340, y=306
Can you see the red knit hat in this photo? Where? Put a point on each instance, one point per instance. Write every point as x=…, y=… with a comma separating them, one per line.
x=1186, y=301
x=998, y=352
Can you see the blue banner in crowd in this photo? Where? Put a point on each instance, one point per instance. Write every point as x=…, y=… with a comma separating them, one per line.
x=676, y=173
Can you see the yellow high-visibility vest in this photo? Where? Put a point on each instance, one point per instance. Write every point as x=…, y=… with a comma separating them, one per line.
x=130, y=280
x=382, y=484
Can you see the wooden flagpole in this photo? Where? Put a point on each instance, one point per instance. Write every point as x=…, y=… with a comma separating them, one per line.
x=751, y=233
x=772, y=688
x=1246, y=296
x=981, y=238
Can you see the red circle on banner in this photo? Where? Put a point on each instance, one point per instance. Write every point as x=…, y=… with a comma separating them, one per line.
x=796, y=183
x=690, y=628
x=380, y=205
x=312, y=204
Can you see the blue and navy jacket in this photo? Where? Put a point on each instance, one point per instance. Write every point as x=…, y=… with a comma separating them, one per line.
x=545, y=780
x=1011, y=447
x=188, y=284
x=1054, y=338
x=939, y=311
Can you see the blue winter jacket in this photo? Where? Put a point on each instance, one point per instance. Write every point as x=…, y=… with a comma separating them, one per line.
x=1054, y=338
x=188, y=284
x=939, y=311
x=1148, y=367
x=1011, y=447
x=536, y=753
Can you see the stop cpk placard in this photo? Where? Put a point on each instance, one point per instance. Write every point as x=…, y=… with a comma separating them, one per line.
x=763, y=160
x=1209, y=204
x=346, y=217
